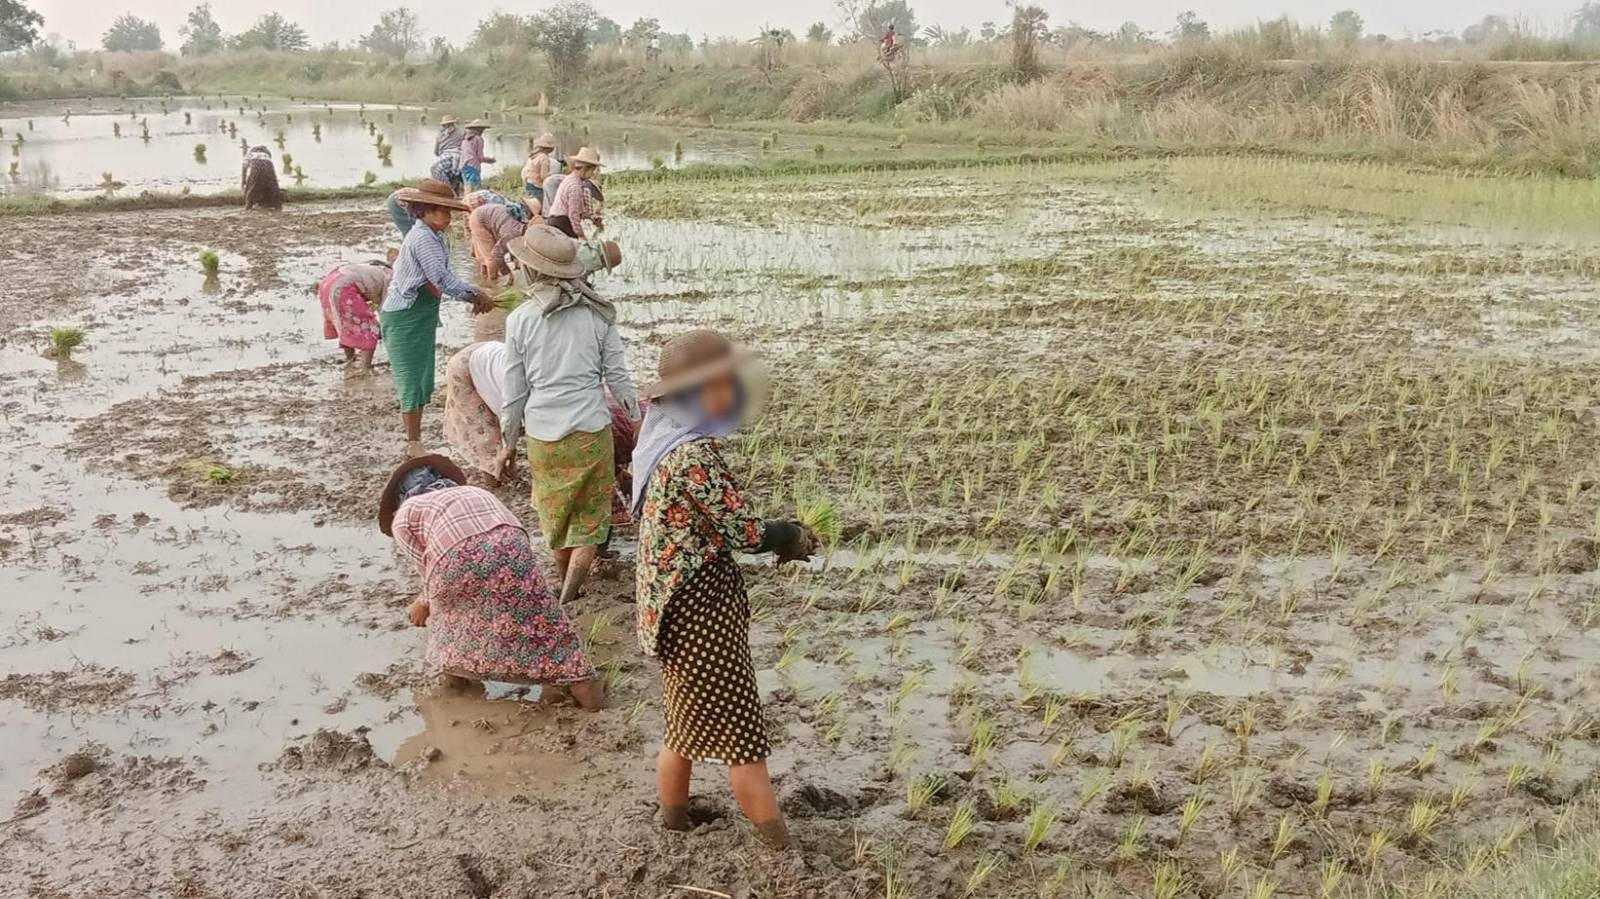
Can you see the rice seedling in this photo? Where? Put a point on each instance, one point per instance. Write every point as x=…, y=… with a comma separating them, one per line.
x=1229, y=864
x=960, y=826
x=1264, y=887
x=1424, y=816
x=1330, y=875
x=1093, y=788
x=1376, y=773
x=200, y=153
x=116, y=129
x=1243, y=786
x=1037, y=826
x=677, y=151
x=1319, y=805
x=1169, y=882
x=1206, y=766
x=64, y=340
x=210, y=263
x=1282, y=837
x=288, y=163
x=983, y=738
x=369, y=178
x=1377, y=841
x=981, y=870
x=818, y=150
x=1189, y=815
x=920, y=791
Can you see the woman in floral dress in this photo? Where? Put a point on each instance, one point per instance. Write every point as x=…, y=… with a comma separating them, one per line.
x=490, y=614
x=693, y=614
x=350, y=296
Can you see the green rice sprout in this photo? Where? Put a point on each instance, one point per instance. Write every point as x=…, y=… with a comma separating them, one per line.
x=823, y=519
x=219, y=474
x=64, y=340
x=199, y=152
x=369, y=178
x=981, y=869
x=1037, y=827
x=819, y=150
x=920, y=791
x=210, y=262
x=960, y=826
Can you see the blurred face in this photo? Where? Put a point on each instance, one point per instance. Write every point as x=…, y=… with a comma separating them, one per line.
x=583, y=172
x=719, y=398
x=436, y=217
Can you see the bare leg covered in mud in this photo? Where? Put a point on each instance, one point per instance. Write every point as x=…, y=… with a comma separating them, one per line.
x=413, y=424
x=752, y=788
x=572, y=566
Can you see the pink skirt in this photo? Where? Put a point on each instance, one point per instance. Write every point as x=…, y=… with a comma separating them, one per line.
x=346, y=317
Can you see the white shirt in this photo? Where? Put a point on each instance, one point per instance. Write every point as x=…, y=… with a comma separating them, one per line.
x=488, y=364
x=558, y=367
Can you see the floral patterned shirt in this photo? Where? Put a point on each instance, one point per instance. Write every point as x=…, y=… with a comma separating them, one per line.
x=693, y=512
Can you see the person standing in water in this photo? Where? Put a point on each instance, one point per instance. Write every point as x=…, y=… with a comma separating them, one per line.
x=472, y=155
x=410, y=312
x=692, y=611
x=571, y=204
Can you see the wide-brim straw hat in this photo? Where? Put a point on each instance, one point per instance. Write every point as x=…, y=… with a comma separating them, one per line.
x=611, y=254
x=548, y=252
x=430, y=192
x=476, y=124
x=546, y=141
x=585, y=156
x=448, y=120
x=694, y=358
x=389, y=500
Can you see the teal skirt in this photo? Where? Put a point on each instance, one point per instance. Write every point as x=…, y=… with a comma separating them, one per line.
x=410, y=336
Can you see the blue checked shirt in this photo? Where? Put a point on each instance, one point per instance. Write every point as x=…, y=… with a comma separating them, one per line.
x=423, y=260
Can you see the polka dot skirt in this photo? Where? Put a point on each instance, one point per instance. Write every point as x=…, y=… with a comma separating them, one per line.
x=708, y=680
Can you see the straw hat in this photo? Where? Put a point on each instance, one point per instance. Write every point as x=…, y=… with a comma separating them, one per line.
x=448, y=119
x=429, y=192
x=389, y=500
x=477, y=125
x=585, y=156
x=692, y=359
x=548, y=252
x=611, y=252
x=545, y=140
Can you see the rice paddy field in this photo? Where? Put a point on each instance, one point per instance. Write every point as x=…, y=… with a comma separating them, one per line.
x=1209, y=527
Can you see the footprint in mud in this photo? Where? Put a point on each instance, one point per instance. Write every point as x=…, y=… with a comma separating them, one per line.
x=813, y=801
x=477, y=884
x=703, y=811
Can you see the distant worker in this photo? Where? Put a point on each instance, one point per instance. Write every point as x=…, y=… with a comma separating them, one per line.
x=472, y=155
x=572, y=201
x=540, y=166
x=259, y=180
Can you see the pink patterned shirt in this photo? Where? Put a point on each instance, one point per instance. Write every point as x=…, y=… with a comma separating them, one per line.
x=572, y=201
x=430, y=525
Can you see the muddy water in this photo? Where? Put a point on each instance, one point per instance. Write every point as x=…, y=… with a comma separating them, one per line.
x=69, y=146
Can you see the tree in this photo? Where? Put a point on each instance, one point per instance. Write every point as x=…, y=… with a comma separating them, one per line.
x=1129, y=34
x=1028, y=30
x=987, y=32
x=641, y=31
x=1488, y=30
x=563, y=32
x=397, y=33
x=201, y=34
x=1586, y=21
x=1346, y=26
x=819, y=33
x=1074, y=35
x=129, y=32
x=502, y=31
x=871, y=18
x=272, y=32
x=606, y=32
x=1190, y=27
x=19, y=25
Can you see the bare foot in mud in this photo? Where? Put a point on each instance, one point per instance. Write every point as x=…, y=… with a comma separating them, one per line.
x=414, y=448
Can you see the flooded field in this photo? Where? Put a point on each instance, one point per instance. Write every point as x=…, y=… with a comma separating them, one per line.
x=1190, y=550
x=67, y=148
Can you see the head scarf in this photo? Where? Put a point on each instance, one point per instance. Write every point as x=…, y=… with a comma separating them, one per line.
x=556, y=294
x=670, y=423
x=423, y=480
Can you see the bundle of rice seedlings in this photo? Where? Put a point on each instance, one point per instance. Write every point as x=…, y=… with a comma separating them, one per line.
x=823, y=519
x=63, y=341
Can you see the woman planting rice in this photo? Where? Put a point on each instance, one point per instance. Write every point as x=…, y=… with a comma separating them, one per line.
x=410, y=314
x=563, y=351
x=489, y=612
x=539, y=167
x=259, y=180
x=571, y=204
x=349, y=295
x=472, y=154
x=693, y=614
x=491, y=226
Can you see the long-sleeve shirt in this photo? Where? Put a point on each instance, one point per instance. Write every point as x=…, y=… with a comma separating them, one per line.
x=423, y=260
x=449, y=138
x=472, y=150
x=572, y=201
x=536, y=169
x=557, y=369
x=430, y=525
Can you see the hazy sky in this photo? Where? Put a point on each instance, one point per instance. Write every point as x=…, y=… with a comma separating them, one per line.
x=84, y=21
